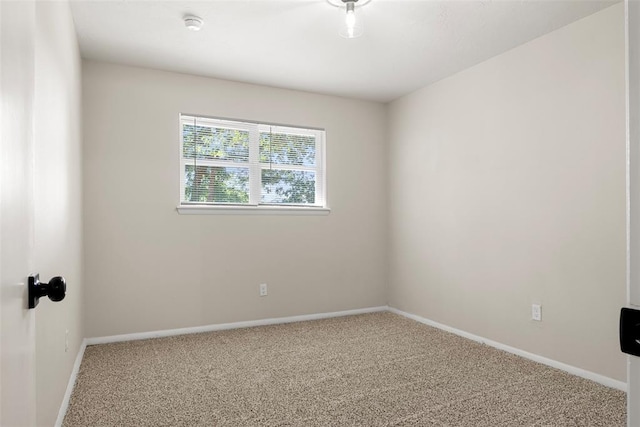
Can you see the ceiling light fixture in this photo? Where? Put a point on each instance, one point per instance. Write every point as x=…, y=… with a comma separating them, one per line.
x=193, y=22
x=351, y=26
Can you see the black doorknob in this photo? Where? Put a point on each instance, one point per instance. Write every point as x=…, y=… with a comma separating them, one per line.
x=630, y=331
x=56, y=289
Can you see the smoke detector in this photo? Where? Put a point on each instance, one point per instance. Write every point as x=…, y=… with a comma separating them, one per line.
x=193, y=23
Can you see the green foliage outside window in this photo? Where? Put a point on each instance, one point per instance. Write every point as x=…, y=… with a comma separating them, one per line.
x=277, y=153
x=205, y=184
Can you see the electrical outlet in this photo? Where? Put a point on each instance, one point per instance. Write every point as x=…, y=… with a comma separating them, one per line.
x=263, y=289
x=536, y=312
x=66, y=340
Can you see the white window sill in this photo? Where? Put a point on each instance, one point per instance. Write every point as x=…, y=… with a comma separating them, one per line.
x=250, y=210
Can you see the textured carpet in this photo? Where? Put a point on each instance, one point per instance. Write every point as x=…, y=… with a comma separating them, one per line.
x=368, y=370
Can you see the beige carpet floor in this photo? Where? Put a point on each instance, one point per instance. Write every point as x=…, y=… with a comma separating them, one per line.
x=369, y=370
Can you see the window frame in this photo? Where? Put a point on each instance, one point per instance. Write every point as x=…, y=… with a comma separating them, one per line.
x=255, y=168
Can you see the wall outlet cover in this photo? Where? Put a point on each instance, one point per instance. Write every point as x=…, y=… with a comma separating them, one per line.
x=536, y=312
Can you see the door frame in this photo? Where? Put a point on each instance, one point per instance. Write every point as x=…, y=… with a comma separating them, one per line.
x=632, y=92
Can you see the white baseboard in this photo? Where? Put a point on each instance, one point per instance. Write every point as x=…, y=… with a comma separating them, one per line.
x=72, y=382
x=234, y=325
x=601, y=379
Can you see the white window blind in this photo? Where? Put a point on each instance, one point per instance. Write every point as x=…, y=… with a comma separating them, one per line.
x=226, y=162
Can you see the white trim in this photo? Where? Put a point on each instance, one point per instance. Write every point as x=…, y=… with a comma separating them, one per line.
x=601, y=379
x=632, y=101
x=234, y=325
x=321, y=172
x=250, y=122
x=64, y=406
x=251, y=210
x=255, y=174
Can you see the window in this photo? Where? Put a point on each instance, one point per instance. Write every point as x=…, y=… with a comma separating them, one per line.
x=242, y=164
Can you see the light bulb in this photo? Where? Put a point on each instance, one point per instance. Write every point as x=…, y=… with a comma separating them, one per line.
x=352, y=26
x=350, y=21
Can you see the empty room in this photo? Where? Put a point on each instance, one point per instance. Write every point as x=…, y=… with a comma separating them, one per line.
x=320, y=213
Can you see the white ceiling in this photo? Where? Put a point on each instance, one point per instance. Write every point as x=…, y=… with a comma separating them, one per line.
x=295, y=44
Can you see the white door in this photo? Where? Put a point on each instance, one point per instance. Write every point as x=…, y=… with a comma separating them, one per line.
x=17, y=342
x=632, y=14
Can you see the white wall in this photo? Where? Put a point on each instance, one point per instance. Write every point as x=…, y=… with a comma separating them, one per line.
x=58, y=207
x=507, y=187
x=148, y=268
